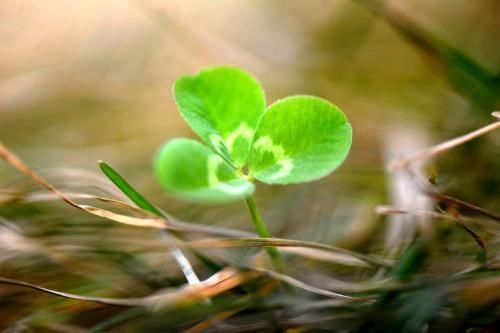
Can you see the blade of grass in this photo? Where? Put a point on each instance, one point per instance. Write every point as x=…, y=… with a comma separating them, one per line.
x=127, y=189
x=139, y=200
x=410, y=262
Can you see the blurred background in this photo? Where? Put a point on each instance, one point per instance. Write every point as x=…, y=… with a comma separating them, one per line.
x=92, y=80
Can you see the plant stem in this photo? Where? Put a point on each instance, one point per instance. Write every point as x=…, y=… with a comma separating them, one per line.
x=263, y=232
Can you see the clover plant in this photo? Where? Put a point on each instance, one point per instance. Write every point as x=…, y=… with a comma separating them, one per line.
x=296, y=139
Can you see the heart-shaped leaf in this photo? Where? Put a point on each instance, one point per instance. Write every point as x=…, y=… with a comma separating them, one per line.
x=299, y=139
x=222, y=105
x=188, y=169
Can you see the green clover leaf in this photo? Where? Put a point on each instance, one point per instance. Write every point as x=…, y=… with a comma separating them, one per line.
x=190, y=170
x=222, y=105
x=297, y=139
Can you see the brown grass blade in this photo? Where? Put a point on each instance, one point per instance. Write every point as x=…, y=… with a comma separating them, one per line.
x=479, y=240
x=171, y=223
x=390, y=210
x=18, y=164
x=218, y=283
x=278, y=242
x=101, y=300
x=465, y=205
x=302, y=285
x=454, y=215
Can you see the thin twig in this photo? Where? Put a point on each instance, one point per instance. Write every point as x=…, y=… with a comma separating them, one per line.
x=479, y=240
x=429, y=190
x=390, y=210
x=444, y=146
x=462, y=204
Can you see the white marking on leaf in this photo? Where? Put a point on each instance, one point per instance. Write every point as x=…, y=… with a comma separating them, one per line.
x=266, y=144
x=285, y=170
x=243, y=131
x=213, y=164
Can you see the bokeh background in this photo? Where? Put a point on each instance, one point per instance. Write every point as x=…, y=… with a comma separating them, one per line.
x=92, y=80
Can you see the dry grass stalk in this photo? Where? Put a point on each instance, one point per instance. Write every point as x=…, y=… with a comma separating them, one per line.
x=444, y=146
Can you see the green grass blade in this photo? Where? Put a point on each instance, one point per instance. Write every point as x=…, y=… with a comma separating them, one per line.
x=141, y=202
x=127, y=189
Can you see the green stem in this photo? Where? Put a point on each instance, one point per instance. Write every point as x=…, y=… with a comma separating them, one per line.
x=263, y=232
